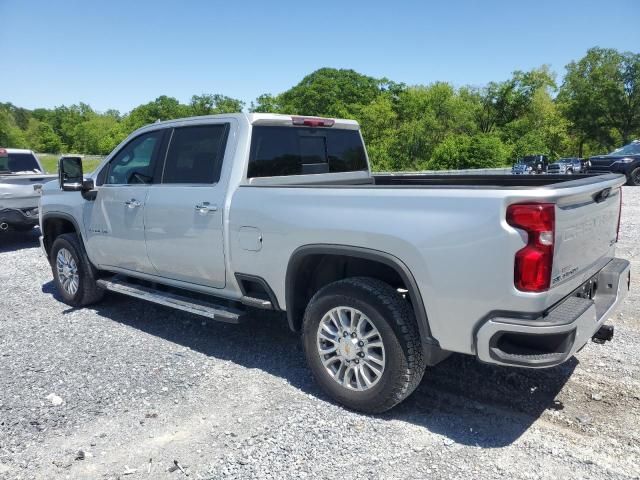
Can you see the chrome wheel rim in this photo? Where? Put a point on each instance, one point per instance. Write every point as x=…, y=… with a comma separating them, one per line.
x=351, y=348
x=635, y=176
x=67, y=271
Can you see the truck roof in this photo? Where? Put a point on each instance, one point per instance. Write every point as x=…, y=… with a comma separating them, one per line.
x=16, y=150
x=259, y=119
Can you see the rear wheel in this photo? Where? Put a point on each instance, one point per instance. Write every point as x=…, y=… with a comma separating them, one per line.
x=73, y=274
x=362, y=344
x=634, y=177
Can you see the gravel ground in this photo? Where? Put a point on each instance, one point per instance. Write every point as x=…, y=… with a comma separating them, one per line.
x=124, y=389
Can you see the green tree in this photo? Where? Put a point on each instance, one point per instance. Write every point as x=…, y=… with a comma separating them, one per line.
x=42, y=138
x=327, y=92
x=503, y=102
x=464, y=151
x=98, y=135
x=162, y=108
x=10, y=133
x=211, y=104
x=600, y=95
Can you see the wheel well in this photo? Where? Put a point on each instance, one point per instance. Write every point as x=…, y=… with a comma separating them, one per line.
x=314, y=271
x=53, y=228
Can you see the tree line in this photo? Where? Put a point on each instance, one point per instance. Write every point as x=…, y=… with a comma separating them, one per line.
x=594, y=109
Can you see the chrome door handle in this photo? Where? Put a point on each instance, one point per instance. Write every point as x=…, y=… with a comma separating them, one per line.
x=133, y=203
x=205, y=207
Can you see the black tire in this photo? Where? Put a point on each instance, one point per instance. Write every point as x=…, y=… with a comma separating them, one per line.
x=396, y=323
x=634, y=177
x=88, y=291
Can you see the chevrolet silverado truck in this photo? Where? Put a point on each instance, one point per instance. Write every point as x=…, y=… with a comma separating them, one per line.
x=383, y=275
x=21, y=177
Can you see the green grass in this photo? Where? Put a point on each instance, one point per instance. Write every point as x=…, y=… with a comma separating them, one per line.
x=50, y=163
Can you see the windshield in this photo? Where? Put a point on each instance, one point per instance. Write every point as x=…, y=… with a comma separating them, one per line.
x=19, y=162
x=631, y=149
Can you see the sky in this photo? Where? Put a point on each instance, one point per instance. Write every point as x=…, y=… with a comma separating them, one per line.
x=119, y=54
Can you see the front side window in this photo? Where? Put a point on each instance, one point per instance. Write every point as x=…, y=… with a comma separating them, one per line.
x=280, y=151
x=195, y=154
x=134, y=164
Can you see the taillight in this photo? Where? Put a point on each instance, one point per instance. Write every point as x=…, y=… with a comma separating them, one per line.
x=619, y=215
x=313, y=122
x=533, y=263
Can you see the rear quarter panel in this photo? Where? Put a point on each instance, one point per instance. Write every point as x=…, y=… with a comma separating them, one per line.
x=456, y=243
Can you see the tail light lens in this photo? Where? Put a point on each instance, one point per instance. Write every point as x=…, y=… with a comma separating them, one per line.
x=619, y=215
x=533, y=263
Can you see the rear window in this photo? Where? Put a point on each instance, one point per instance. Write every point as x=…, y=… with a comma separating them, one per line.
x=282, y=151
x=18, y=162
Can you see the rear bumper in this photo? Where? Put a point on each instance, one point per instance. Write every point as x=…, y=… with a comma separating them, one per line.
x=14, y=218
x=554, y=336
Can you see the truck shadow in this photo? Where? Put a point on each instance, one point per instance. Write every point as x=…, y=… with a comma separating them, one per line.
x=467, y=402
x=12, y=241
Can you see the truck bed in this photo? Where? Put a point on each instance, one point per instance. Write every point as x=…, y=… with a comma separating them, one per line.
x=487, y=181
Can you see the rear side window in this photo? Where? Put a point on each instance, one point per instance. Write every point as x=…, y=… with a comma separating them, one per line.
x=195, y=154
x=282, y=151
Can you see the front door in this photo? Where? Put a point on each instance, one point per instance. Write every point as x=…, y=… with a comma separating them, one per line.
x=184, y=213
x=114, y=222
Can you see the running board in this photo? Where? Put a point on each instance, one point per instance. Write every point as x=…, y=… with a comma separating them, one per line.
x=180, y=302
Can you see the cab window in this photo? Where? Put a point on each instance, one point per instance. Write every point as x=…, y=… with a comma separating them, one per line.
x=195, y=154
x=134, y=164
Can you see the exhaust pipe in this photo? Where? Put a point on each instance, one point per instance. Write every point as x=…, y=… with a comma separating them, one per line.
x=4, y=226
x=604, y=334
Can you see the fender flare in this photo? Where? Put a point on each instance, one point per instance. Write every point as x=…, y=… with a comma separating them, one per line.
x=63, y=216
x=368, y=254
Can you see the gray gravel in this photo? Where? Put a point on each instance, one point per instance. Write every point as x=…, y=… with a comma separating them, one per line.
x=125, y=388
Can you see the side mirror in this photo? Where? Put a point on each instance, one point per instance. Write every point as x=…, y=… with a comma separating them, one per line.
x=70, y=176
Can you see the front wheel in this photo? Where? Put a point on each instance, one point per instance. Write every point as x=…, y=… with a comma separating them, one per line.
x=634, y=177
x=362, y=344
x=73, y=274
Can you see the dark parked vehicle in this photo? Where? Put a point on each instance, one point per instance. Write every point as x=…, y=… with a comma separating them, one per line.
x=625, y=160
x=569, y=166
x=531, y=164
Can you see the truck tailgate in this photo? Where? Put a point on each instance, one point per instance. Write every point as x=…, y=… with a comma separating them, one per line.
x=586, y=231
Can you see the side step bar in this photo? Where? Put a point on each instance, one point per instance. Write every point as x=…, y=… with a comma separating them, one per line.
x=214, y=311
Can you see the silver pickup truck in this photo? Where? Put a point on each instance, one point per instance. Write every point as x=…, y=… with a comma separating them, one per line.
x=21, y=177
x=383, y=275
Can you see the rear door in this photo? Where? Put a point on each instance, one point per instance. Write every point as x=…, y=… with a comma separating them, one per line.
x=114, y=221
x=184, y=213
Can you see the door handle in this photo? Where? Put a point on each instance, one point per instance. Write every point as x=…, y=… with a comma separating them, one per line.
x=133, y=203
x=206, y=207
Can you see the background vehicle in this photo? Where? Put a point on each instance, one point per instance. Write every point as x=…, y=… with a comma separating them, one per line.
x=625, y=160
x=383, y=274
x=568, y=166
x=21, y=176
x=531, y=164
